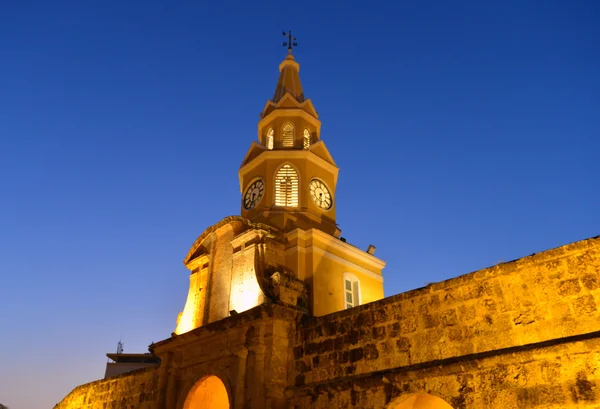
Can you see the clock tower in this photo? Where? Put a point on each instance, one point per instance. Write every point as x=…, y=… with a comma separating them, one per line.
x=285, y=247
x=288, y=178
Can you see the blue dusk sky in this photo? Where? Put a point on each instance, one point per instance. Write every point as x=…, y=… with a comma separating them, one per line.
x=466, y=132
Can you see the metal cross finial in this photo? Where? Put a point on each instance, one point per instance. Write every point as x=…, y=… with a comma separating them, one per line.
x=291, y=42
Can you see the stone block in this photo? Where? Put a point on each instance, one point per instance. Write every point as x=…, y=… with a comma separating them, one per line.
x=591, y=281
x=403, y=344
x=393, y=329
x=408, y=325
x=449, y=318
x=569, y=287
x=378, y=332
x=584, y=305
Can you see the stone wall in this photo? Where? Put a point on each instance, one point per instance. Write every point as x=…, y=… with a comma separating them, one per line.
x=522, y=334
x=561, y=376
x=137, y=389
x=543, y=297
x=248, y=352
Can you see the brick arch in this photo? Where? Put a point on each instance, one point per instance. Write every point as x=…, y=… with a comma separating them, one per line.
x=209, y=392
x=418, y=401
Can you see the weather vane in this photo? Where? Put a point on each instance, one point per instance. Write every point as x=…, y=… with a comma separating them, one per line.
x=291, y=42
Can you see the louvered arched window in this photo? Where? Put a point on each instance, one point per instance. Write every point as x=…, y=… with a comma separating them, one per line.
x=287, y=139
x=270, y=136
x=306, y=139
x=286, y=186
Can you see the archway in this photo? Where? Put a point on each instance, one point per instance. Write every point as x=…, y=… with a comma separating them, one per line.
x=418, y=401
x=208, y=393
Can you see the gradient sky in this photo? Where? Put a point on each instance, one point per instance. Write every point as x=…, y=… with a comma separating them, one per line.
x=467, y=134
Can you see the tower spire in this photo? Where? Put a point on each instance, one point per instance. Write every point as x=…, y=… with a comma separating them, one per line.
x=289, y=79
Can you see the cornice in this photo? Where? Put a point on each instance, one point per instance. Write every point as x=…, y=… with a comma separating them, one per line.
x=285, y=154
x=355, y=267
x=305, y=106
x=250, y=236
x=286, y=113
x=198, y=261
x=331, y=242
x=225, y=221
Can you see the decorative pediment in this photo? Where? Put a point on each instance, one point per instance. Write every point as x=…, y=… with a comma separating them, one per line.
x=200, y=245
x=255, y=150
x=289, y=102
x=319, y=149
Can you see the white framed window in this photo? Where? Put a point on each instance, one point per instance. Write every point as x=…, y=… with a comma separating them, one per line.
x=270, y=137
x=351, y=291
x=306, y=139
x=286, y=186
x=287, y=139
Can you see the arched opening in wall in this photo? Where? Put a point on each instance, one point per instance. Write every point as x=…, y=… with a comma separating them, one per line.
x=418, y=401
x=208, y=393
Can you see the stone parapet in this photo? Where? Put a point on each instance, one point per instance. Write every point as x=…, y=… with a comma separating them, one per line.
x=138, y=389
x=546, y=296
x=561, y=376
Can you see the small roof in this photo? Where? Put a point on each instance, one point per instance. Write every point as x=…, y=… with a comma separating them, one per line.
x=130, y=358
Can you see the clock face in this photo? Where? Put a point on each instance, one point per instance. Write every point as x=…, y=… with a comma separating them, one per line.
x=320, y=194
x=253, y=194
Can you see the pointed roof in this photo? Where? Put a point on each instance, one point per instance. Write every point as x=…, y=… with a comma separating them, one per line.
x=289, y=79
x=289, y=93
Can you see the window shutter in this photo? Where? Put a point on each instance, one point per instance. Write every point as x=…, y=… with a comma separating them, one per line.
x=306, y=139
x=286, y=186
x=270, y=135
x=288, y=135
x=355, y=293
